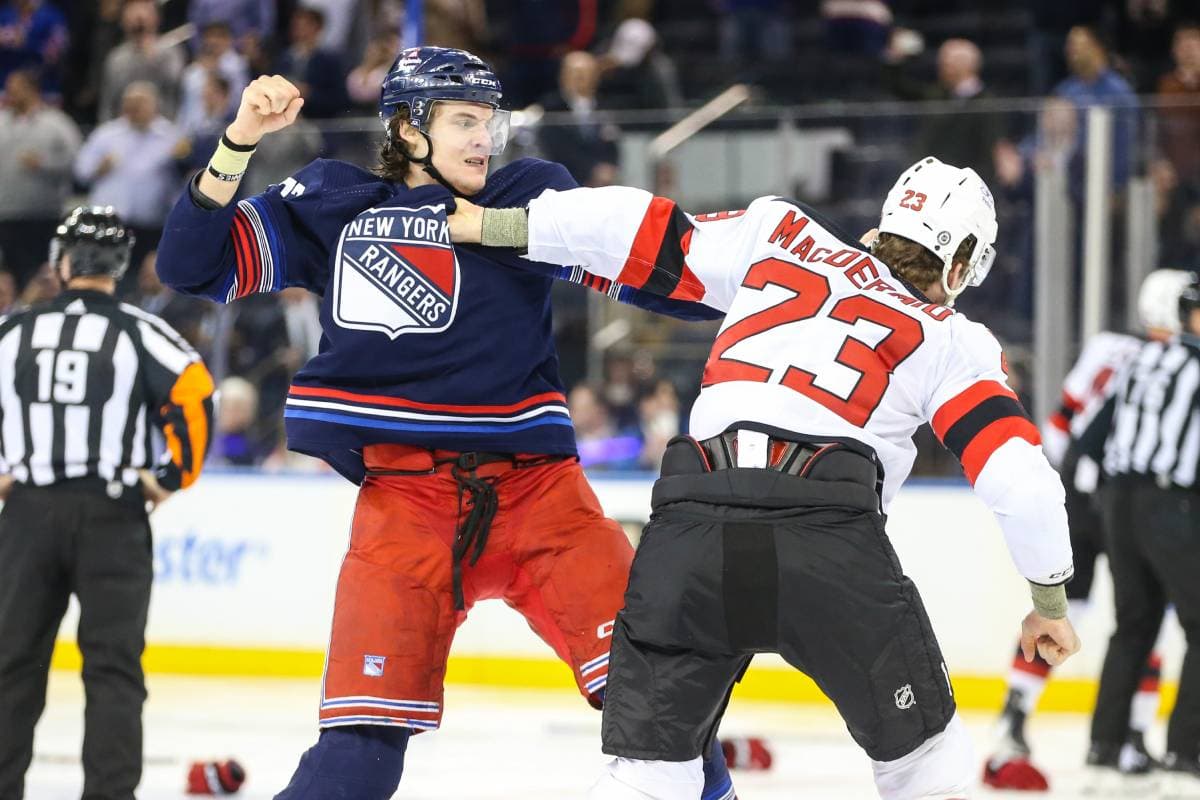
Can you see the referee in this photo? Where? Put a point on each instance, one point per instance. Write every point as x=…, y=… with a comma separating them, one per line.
x=1151, y=506
x=84, y=380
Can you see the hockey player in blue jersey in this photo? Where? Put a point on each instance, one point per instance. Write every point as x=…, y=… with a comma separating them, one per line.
x=436, y=389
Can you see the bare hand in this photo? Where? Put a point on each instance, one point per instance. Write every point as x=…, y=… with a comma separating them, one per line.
x=1054, y=639
x=106, y=165
x=6, y=484
x=270, y=103
x=154, y=492
x=466, y=223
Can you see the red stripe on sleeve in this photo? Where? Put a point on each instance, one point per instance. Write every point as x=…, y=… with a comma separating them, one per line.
x=249, y=268
x=956, y=407
x=989, y=440
x=1059, y=421
x=646, y=244
x=689, y=287
x=1071, y=403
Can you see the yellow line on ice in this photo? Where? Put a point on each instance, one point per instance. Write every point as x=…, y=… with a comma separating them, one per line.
x=975, y=692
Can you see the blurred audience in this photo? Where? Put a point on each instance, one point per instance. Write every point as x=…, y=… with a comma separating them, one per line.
x=216, y=54
x=637, y=73
x=190, y=316
x=457, y=23
x=236, y=442
x=132, y=164
x=37, y=146
x=851, y=26
x=142, y=56
x=602, y=446
x=254, y=18
x=960, y=135
x=33, y=35
x=1093, y=82
x=1179, y=120
x=316, y=72
x=586, y=145
x=363, y=82
x=8, y=292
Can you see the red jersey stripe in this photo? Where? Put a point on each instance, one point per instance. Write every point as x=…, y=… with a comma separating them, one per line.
x=975, y=456
x=956, y=407
x=376, y=399
x=646, y=244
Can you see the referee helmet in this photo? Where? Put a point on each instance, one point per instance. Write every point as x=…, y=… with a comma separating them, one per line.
x=97, y=241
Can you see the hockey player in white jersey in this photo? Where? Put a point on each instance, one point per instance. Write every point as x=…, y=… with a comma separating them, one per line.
x=1084, y=391
x=768, y=527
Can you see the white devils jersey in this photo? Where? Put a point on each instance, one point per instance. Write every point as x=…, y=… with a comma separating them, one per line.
x=821, y=339
x=1086, y=388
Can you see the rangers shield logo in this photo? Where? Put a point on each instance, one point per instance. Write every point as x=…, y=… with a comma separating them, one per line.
x=396, y=272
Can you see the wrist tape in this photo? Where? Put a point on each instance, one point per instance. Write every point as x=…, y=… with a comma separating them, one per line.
x=229, y=162
x=505, y=227
x=1049, y=601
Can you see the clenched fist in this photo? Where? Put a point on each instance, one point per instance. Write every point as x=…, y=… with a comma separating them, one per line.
x=270, y=103
x=1053, y=639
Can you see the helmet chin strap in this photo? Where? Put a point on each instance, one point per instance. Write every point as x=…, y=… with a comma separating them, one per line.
x=427, y=164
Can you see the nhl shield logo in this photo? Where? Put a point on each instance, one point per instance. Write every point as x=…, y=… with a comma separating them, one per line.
x=396, y=272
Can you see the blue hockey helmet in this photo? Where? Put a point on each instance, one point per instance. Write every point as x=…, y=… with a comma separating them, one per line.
x=421, y=75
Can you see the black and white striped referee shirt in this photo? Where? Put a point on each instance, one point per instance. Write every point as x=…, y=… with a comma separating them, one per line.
x=84, y=380
x=1155, y=415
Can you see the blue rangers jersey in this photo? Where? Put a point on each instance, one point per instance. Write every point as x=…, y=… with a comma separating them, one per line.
x=424, y=343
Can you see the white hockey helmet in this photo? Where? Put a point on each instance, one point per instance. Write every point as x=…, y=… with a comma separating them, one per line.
x=1158, y=299
x=938, y=206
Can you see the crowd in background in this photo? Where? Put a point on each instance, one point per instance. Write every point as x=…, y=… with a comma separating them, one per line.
x=118, y=101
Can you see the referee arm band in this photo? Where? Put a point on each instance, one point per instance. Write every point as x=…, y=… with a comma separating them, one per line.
x=1049, y=601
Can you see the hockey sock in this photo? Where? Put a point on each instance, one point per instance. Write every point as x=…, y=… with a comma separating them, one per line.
x=1145, y=703
x=1026, y=680
x=356, y=762
x=718, y=785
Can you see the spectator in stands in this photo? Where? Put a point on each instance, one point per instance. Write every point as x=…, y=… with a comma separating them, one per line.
x=539, y=34
x=317, y=72
x=187, y=315
x=301, y=316
x=456, y=23
x=858, y=27
x=236, y=442
x=216, y=54
x=601, y=444
x=8, y=292
x=1093, y=82
x=43, y=287
x=1179, y=120
x=205, y=131
x=658, y=420
x=966, y=139
x=243, y=17
x=636, y=72
x=1048, y=27
x=1177, y=209
x=95, y=31
x=131, y=164
x=345, y=25
x=33, y=35
x=363, y=82
x=585, y=145
x=38, y=143
x=141, y=57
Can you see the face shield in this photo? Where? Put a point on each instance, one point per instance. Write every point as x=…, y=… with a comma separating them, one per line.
x=982, y=266
x=472, y=127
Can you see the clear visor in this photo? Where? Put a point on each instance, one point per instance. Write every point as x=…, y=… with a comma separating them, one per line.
x=473, y=128
x=983, y=265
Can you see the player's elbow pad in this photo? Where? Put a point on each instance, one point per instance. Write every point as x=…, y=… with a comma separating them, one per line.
x=1026, y=495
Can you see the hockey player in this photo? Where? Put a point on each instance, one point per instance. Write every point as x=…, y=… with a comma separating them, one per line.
x=767, y=533
x=1084, y=392
x=435, y=388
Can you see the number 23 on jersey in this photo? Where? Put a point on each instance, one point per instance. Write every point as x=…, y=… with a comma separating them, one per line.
x=874, y=364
